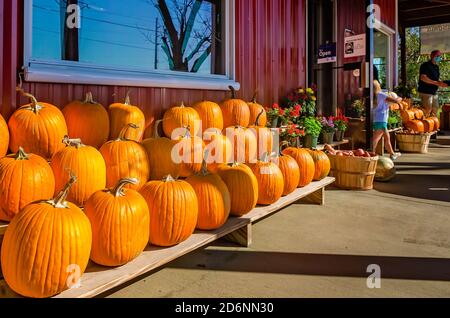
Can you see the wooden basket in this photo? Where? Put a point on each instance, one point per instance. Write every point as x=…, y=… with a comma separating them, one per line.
x=353, y=173
x=414, y=143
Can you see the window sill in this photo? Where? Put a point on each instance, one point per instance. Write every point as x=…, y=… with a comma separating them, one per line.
x=59, y=73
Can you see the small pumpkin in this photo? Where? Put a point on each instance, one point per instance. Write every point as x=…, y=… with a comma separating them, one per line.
x=180, y=117
x=270, y=181
x=120, y=222
x=121, y=114
x=173, y=209
x=214, y=202
x=24, y=178
x=188, y=151
x=264, y=137
x=38, y=128
x=125, y=158
x=83, y=161
x=305, y=163
x=418, y=114
x=244, y=143
x=88, y=121
x=291, y=173
x=257, y=110
x=437, y=123
x=407, y=115
x=415, y=125
x=46, y=247
x=322, y=164
x=219, y=148
x=242, y=185
x=4, y=137
x=210, y=115
x=235, y=111
x=428, y=125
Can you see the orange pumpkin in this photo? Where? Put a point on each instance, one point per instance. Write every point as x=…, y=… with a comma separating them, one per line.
x=264, y=137
x=242, y=185
x=83, y=161
x=407, y=115
x=121, y=114
x=321, y=163
x=257, y=113
x=244, y=143
x=415, y=125
x=219, y=148
x=181, y=117
x=46, y=247
x=418, y=113
x=291, y=173
x=270, y=181
x=235, y=111
x=428, y=125
x=125, y=159
x=120, y=222
x=88, y=121
x=173, y=209
x=214, y=202
x=4, y=137
x=305, y=163
x=210, y=114
x=38, y=128
x=24, y=178
x=437, y=123
x=188, y=151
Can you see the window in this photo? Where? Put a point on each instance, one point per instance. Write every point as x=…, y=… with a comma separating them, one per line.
x=166, y=43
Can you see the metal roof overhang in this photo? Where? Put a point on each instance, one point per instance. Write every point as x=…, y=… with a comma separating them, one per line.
x=414, y=13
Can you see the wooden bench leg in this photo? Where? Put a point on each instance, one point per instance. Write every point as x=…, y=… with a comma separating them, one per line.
x=317, y=197
x=242, y=236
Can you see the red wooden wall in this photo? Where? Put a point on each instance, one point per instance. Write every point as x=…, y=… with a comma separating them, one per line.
x=270, y=57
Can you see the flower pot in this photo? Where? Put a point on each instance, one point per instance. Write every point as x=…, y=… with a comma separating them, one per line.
x=327, y=137
x=275, y=122
x=340, y=135
x=310, y=141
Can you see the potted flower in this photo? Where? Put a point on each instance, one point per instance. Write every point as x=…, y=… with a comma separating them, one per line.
x=328, y=129
x=312, y=128
x=304, y=98
x=359, y=107
x=291, y=134
x=275, y=116
x=341, y=124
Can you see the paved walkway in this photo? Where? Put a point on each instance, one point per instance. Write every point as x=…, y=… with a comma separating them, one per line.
x=312, y=251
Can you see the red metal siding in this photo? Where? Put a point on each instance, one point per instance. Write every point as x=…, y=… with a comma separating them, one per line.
x=388, y=12
x=270, y=57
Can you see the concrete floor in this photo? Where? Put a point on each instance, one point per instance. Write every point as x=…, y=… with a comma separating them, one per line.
x=313, y=251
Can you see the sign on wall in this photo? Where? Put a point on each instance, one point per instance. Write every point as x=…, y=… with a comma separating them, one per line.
x=355, y=46
x=327, y=53
x=435, y=37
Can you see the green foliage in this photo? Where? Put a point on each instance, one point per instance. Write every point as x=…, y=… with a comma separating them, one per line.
x=312, y=126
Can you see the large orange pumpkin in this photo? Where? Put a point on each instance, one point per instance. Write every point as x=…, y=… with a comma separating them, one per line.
x=235, y=111
x=120, y=222
x=181, y=117
x=428, y=125
x=46, y=247
x=86, y=162
x=321, y=163
x=270, y=181
x=305, y=163
x=125, y=159
x=87, y=120
x=214, y=202
x=418, y=113
x=407, y=115
x=244, y=143
x=437, y=123
x=159, y=152
x=122, y=114
x=188, y=151
x=415, y=125
x=173, y=209
x=4, y=137
x=242, y=185
x=219, y=149
x=264, y=137
x=38, y=128
x=291, y=173
x=257, y=113
x=210, y=114
x=24, y=178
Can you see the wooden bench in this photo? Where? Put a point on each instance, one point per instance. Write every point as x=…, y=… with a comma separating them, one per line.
x=99, y=279
x=336, y=144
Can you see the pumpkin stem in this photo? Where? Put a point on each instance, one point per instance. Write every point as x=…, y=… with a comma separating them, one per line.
x=72, y=142
x=60, y=200
x=155, y=129
x=89, y=98
x=204, y=170
x=118, y=189
x=21, y=154
x=284, y=144
x=258, y=117
x=127, y=98
x=124, y=131
x=233, y=92
x=265, y=157
x=182, y=104
x=35, y=107
x=168, y=178
x=255, y=95
x=188, y=131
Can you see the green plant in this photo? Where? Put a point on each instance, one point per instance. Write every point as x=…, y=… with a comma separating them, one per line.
x=303, y=97
x=327, y=124
x=394, y=118
x=312, y=126
x=359, y=106
x=341, y=123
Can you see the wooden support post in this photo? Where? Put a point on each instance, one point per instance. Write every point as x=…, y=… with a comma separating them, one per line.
x=242, y=236
x=317, y=197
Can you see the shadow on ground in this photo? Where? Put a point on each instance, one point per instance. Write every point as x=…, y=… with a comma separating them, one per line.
x=316, y=264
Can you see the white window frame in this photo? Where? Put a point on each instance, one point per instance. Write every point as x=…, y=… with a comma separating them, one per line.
x=39, y=70
x=390, y=73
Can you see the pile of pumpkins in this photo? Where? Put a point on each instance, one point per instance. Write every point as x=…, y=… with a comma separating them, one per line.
x=104, y=193
x=414, y=120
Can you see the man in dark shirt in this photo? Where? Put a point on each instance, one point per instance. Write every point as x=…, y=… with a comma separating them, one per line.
x=429, y=84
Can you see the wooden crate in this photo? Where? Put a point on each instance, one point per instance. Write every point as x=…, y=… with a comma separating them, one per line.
x=353, y=173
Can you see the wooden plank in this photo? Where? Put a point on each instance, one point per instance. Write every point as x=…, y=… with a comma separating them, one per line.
x=317, y=197
x=334, y=144
x=241, y=237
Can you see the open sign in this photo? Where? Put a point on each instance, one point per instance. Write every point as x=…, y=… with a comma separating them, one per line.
x=327, y=53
